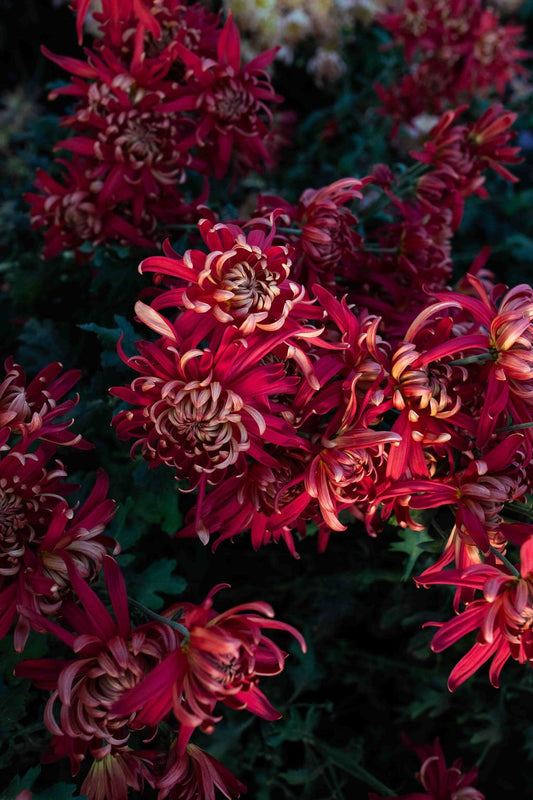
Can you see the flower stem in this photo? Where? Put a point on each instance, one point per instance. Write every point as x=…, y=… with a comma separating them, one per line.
x=339, y=758
x=369, y=249
x=153, y=615
x=506, y=561
x=518, y=427
x=404, y=184
x=520, y=508
x=479, y=359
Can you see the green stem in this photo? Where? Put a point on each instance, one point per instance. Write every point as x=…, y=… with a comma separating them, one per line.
x=342, y=761
x=294, y=231
x=153, y=615
x=404, y=184
x=479, y=359
x=370, y=249
x=518, y=427
x=525, y=511
x=506, y=561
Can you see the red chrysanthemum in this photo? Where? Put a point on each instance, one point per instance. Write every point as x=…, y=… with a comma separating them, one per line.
x=326, y=239
x=222, y=659
x=504, y=616
x=41, y=535
x=244, y=280
x=228, y=103
x=195, y=774
x=110, y=658
x=204, y=411
x=439, y=781
x=33, y=410
x=74, y=213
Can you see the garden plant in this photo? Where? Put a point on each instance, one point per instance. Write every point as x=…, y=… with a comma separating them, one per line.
x=266, y=407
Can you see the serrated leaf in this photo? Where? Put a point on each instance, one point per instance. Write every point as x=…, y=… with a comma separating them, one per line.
x=19, y=783
x=60, y=791
x=296, y=777
x=413, y=545
x=109, y=338
x=155, y=579
x=160, y=504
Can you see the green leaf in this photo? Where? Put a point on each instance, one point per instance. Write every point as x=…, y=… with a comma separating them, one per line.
x=413, y=545
x=109, y=338
x=60, y=791
x=160, y=497
x=155, y=579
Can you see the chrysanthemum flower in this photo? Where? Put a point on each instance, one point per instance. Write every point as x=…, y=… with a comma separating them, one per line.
x=110, y=658
x=439, y=781
x=454, y=49
x=504, y=616
x=267, y=500
x=222, y=659
x=74, y=214
x=114, y=11
x=33, y=410
x=479, y=491
x=244, y=279
x=111, y=776
x=461, y=153
x=502, y=335
x=193, y=774
x=227, y=102
x=41, y=534
x=203, y=412
x=327, y=236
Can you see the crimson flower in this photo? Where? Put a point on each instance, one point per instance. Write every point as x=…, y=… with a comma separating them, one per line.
x=114, y=12
x=32, y=410
x=204, y=412
x=479, y=491
x=110, y=658
x=32, y=496
x=243, y=280
x=74, y=213
x=461, y=153
x=40, y=532
x=504, y=616
x=193, y=774
x=326, y=237
x=227, y=102
x=454, y=49
x=267, y=500
x=222, y=659
x=503, y=332
x=439, y=781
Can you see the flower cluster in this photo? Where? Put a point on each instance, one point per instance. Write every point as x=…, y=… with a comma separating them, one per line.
x=281, y=403
x=287, y=407
x=124, y=680
x=161, y=95
x=41, y=534
x=455, y=50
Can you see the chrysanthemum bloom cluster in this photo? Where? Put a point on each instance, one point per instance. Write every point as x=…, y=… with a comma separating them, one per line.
x=254, y=390
x=284, y=410
x=161, y=94
x=123, y=680
x=40, y=533
x=455, y=50
x=466, y=444
x=439, y=781
x=413, y=257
